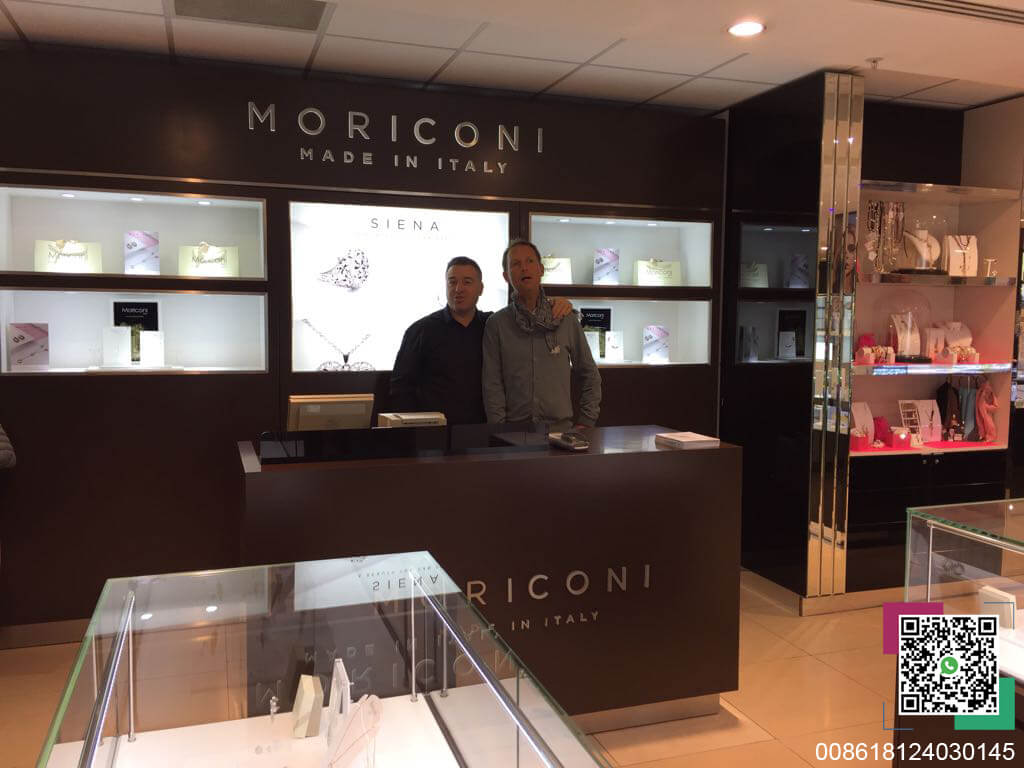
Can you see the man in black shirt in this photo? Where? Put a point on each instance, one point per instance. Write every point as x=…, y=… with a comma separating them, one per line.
x=439, y=364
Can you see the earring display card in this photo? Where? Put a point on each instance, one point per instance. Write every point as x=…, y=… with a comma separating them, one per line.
x=606, y=266
x=68, y=256
x=207, y=260
x=657, y=272
x=141, y=253
x=139, y=316
x=793, y=321
x=117, y=347
x=557, y=270
x=28, y=346
x=787, y=345
x=656, y=344
x=151, y=349
x=613, y=351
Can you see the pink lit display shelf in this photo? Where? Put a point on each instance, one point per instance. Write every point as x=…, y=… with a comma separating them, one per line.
x=930, y=369
x=941, y=446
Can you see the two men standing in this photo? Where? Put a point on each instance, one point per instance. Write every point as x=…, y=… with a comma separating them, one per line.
x=513, y=365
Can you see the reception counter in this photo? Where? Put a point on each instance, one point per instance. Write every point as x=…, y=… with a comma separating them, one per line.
x=614, y=574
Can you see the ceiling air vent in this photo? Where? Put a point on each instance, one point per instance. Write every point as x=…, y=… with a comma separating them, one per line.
x=288, y=14
x=958, y=8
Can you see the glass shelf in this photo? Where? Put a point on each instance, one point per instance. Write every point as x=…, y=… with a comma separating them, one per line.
x=928, y=450
x=895, y=278
x=653, y=253
x=75, y=231
x=928, y=369
x=120, y=332
x=942, y=193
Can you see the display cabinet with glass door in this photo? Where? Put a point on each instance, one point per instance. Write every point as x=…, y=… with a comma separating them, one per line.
x=96, y=281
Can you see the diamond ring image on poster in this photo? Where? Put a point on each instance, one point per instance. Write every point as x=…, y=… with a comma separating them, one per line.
x=362, y=274
x=656, y=347
x=28, y=346
x=141, y=252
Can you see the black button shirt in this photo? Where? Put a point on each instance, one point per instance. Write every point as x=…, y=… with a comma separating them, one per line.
x=438, y=368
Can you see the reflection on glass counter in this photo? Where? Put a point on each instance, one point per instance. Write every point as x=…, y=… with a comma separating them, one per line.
x=971, y=558
x=127, y=233
x=121, y=332
x=588, y=250
x=370, y=661
x=651, y=332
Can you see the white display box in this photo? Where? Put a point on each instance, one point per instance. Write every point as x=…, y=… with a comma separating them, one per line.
x=117, y=347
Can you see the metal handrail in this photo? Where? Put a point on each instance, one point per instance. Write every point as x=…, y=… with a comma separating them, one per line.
x=94, y=731
x=507, y=702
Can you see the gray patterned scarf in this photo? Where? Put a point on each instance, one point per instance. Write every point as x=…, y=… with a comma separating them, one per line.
x=538, y=320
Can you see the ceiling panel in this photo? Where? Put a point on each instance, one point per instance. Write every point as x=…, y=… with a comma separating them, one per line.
x=139, y=6
x=617, y=84
x=925, y=103
x=81, y=26
x=766, y=66
x=403, y=26
x=542, y=42
x=966, y=92
x=491, y=71
x=883, y=82
x=711, y=93
x=242, y=42
x=681, y=59
x=367, y=57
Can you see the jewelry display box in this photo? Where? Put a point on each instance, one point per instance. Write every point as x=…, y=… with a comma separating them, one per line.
x=55, y=236
x=390, y=669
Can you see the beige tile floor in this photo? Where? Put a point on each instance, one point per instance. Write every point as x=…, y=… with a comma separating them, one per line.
x=803, y=680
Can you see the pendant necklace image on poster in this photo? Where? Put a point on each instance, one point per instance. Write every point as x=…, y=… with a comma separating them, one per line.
x=350, y=271
x=334, y=365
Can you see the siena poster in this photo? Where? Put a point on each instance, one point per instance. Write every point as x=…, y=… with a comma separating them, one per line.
x=362, y=274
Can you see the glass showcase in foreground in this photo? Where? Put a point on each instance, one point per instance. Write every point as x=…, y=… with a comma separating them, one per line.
x=370, y=661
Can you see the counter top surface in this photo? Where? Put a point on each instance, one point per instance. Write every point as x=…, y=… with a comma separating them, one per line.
x=603, y=441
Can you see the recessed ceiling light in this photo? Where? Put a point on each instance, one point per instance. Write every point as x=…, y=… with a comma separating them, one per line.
x=66, y=194
x=564, y=221
x=805, y=230
x=203, y=202
x=146, y=616
x=746, y=28
x=652, y=223
x=609, y=222
x=135, y=199
x=211, y=608
x=769, y=229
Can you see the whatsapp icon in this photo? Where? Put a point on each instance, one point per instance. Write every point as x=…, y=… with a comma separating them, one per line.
x=949, y=665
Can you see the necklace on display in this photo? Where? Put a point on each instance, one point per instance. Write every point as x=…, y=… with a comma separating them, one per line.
x=334, y=365
x=205, y=253
x=962, y=242
x=67, y=250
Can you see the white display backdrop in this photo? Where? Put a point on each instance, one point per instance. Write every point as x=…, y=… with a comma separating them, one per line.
x=391, y=273
x=29, y=215
x=202, y=331
x=577, y=238
x=688, y=324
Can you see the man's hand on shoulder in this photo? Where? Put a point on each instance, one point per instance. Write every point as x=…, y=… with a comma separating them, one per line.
x=560, y=307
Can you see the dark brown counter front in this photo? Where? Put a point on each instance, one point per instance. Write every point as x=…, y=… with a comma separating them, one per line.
x=614, y=573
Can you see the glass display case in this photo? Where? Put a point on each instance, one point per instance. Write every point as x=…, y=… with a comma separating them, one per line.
x=375, y=661
x=970, y=557
x=362, y=274
x=95, y=281
x=127, y=332
x=619, y=251
x=130, y=233
x=935, y=279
